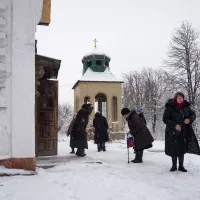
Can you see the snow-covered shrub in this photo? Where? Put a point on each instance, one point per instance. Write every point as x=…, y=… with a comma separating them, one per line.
x=90, y=130
x=65, y=115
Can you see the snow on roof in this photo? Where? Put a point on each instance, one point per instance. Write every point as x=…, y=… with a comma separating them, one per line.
x=91, y=76
x=96, y=51
x=99, y=76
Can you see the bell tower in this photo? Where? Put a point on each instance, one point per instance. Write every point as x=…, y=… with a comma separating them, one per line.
x=99, y=87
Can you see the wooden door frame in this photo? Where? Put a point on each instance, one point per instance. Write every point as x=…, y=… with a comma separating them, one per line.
x=37, y=126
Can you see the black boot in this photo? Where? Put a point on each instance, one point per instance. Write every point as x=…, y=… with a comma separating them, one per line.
x=80, y=152
x=72, y=152
x=83, y=153
x=98, y=148
x=104, y=148
x=181, y=167
x=138, y=157
x=174, y=164
x=135, y=158
x=101, y=148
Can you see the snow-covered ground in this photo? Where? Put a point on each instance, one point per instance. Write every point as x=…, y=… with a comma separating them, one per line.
x=83, y=179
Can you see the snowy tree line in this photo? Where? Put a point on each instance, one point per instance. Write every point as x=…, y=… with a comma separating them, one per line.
x=150, y=89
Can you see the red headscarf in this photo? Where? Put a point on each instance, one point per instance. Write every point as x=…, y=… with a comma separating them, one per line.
x=178, y=105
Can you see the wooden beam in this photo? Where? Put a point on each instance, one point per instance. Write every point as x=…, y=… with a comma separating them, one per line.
x=46, y=13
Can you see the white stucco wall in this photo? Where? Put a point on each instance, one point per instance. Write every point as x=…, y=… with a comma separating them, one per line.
x=5, y=79
x=17, y=67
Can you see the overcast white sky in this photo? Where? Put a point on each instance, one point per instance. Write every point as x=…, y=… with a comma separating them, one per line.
x=135, y=33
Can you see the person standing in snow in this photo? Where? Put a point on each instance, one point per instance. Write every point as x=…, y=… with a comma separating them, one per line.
x=142, y=136
x=141, y=115
x=179, y=134
x=69, y=133
x=101, y=131
x=79, y=132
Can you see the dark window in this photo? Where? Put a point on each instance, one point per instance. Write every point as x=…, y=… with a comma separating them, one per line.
x=89, y=63
x=86, y=99
x=107, y=64
x=98, y=62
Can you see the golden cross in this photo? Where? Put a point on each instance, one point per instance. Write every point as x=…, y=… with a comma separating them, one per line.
x=95, y=42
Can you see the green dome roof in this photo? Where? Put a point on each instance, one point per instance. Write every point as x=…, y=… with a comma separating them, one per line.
x=96, y=61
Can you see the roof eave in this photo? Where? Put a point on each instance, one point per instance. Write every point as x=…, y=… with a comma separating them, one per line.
x=95, y=82
x=55, y=64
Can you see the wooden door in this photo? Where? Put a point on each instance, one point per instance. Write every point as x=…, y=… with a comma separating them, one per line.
x=47, y=118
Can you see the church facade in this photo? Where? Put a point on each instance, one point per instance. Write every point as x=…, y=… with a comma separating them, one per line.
x=18, y=23
x=100, y=87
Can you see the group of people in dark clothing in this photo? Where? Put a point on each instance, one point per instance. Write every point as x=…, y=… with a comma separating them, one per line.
x=179, y=134
x=78, y=133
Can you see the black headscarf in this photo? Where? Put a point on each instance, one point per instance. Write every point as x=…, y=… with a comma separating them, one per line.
x=88, y=107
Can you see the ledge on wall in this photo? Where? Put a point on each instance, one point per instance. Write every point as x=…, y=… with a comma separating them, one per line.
x=15, y=172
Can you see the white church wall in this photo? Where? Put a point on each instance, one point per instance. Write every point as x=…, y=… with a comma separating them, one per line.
x=5, y=79
x=24, y=23
x=17, y=77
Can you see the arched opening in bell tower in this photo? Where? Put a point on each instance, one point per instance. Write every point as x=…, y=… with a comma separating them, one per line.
x=101, y=104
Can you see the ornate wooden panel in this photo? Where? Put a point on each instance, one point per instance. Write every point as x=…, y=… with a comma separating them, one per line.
x=47, y=118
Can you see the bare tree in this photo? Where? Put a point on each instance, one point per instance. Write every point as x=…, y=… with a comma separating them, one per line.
x=147, y=90
x=133, y=90
x=155, y=88
x=184, y=60
x=65, y=113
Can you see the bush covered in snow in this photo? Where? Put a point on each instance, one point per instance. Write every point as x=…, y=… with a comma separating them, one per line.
x=65, y=115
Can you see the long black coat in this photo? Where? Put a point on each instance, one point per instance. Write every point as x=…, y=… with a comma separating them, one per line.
x=142, y=136
x=141, y=115
x=101, y=126
x=79, y=132
x=178, y=143
x=69, y=133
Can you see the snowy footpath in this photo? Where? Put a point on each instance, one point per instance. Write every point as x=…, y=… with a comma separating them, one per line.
x=86, y=179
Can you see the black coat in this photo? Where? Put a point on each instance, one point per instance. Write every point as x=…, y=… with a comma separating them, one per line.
x=142, y=136
x=178, y=143
x=141, y=115
x=101, y=126
x=69, y=132
x=79, y=133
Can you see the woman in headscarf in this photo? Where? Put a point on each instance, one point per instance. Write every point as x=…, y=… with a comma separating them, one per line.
x=179, y=135
x=142, y=136
x=79, y=132
x=101, y=131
